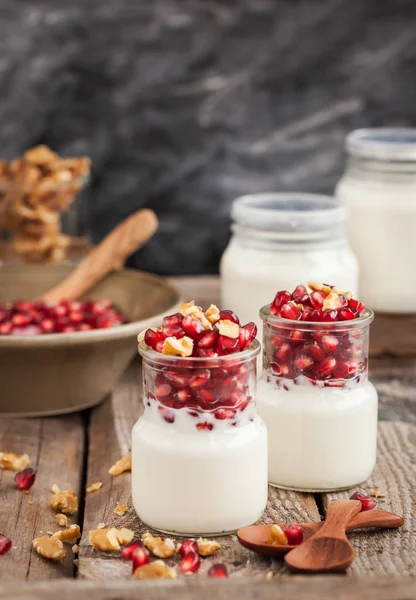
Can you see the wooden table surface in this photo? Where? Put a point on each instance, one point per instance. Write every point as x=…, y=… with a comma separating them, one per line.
x=76, y=450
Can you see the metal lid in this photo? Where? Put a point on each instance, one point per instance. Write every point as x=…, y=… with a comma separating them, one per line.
x=383, y=143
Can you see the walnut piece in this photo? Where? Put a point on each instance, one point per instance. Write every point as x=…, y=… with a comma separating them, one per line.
x=62, y=519
x=55, y=489
x=207, y=547
x=320, y=287
x=376, y=494
x=101, y=526
x=277, y=536
x=122, y=465
x=154, y=570
x=65, y=502
x=228, y=328
x=190, y=310
x=75, y=549
x=111, y=538
x=49, y=547
x=70, y=535
x=174, y=347
x=213, y=314
x=14, y=462
x=120, y=509
x=94, y=486
x=332, y=301
x=161, y=548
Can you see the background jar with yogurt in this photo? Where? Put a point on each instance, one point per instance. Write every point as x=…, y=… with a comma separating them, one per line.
x=318, y=405
x=199, y=450
x=379, y=191
x=280, y=239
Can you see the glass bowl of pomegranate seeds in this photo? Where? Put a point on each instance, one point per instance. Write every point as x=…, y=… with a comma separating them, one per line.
x=314, y=396
x=199, y=449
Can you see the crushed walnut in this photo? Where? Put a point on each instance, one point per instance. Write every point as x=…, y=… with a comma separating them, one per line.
x=213, y=314
x=160, y=548
x=122, y=465
x=111, y=538
x=277, y=536
x=62, y=519
x=207, y=547
x=120, y=509
x=55, y=489
x=228, y=328
x=94, y=487
x=376, y=494
x=154, y=570
x=320, y=287
x=75, y=549
x=14, y=462
x=101, y=526
x=65, y=502
x=332, y=301
x=189, y=309
x=49, y=547
x=174, y=347
x=70, y=535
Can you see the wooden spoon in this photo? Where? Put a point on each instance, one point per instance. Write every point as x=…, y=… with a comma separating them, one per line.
x=328, y=550
x=109, y=255
x=255, y=537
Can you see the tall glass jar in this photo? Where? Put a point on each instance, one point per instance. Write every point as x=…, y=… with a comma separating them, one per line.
x=279, y=240
x=318, y=405
x=199, y=450
x=379, y=191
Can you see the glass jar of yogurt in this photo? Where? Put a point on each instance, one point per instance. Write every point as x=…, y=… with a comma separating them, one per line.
x=280, y=239
x=379, y=191
x=317, y=402
x=199, y=450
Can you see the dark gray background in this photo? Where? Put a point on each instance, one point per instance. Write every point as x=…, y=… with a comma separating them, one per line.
x=185, y=104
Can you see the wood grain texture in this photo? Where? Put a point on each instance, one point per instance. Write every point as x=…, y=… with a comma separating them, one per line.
x=389, y=552
x=56, y=447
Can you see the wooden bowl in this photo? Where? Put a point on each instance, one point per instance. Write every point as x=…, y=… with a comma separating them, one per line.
x=65, y=372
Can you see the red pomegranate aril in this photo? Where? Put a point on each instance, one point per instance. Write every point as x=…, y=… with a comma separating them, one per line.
x=227, y=345
x=326, y=367
x=202, y=426
x=163, y=391
x=5, y=544
x=128, y=549
x=315, y=351
x=209, y=340
x=205, y=396
x=5, y=328
x=69, y=329
x=20, y=320
x=22, y=306
x=290, y=311
x=60, y=311
x=193, y=328
x=294, y=534
x=329, y=343
x=229, y=315
x=367, y=503
x=347, y=314
x=317, y=299
x=307, y=313
x=190, y=563
x=224, y=413
x=183, y=395
x=173, y=331
x=176, y=379
x=280, y=299
x=300, y=294
x=303, y=362
x=356, y=305
x=296, y=337
x=25, y=479
x=317, y=316
x=140, y=556
x=188, y=546
x=330, y=315
x=174, y=320
x=284, y=352
x=47, y=325
x=218, y=571
x=197, y=382
x=247, y=335
x=76, y=317
x=152, y=338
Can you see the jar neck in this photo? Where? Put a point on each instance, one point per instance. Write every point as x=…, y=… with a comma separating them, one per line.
x=299, y=240
x=360, y=168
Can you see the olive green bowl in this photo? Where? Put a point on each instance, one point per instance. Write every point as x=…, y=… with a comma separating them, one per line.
x=65, y=372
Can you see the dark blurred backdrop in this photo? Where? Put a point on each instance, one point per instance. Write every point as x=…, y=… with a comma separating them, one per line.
x=185, y=104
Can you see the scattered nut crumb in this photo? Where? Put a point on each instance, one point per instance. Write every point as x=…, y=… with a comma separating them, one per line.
x=207, y=547
x=65, y=502
x=75, y=549
x=70, y=535
x=228, y=328
x=30, y=501
x=49, y=532
x=376, y=494
x=55, y=489
x=154, y=570
x=101, y=526
x=332, y=301
x=174, y=347
x=120, y=509
x=110, y=539
x=49, y=547
x=122, y=465
x=269, y=576
x=62, y=519
x=94, y=486
x=14, y=462
x=161, y=548
x=277, y=536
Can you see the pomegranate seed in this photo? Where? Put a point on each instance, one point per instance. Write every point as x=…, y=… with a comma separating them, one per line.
x=22, y=306
x=284, y=352
x=163, y=391
x=47, y=325
x=224, y=413
x=297, y=337
x=330, y=315
x=60, y=311
x=303, y=362
x=5, y=328
x=152, y=338
x=317, y=299
x=173, y=331
x=190, y=563
x=345, y=369
x=5, y=544
x=193, y=328
x=316, y=316
x=128, y=549
x=199, y=381
x=227, y=345
x=356, y=305
x=330, y=343
x=188, y=546
x=300, y=294
x=367, y=503
x=219, y=570
x=280, y=299
x=230, y=316
x=140, y=556
x=347, y=314
x=172, y=320
x=205, y=397
x=294, y=534
x=325, y=367
x=307, y=313
x=20, y=320
x=315, y=351
x=209, y=340
x=176, y=379
x=205, y=353
x=25, y=479
x=290, y=311
x=202, y=426
x=247, y=335
x=76, y=317
x=183, y=395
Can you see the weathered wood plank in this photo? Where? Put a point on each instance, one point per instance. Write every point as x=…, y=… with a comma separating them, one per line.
x=299, y=588
x=56, y=447
x=390, y=552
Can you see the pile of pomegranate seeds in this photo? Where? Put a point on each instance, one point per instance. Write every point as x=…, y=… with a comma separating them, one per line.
x=319, y=353
x=25, y=479
x=37, y=318
x=367, y=503
x=5, y=544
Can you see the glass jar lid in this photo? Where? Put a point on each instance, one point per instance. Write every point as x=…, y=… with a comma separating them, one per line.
x=288, y=212
x=383, y=144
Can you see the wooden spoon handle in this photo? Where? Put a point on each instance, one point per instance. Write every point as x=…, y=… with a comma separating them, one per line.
x=375, y=518
x=109, y=255
x=338, y=515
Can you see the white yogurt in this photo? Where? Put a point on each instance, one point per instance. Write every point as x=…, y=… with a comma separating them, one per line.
x=319, y=438
x=196, y=482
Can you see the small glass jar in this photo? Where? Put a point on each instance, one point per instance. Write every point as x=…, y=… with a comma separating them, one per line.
x=379, y=191
x=279, y=240
x=199, y=450
x=319, y=408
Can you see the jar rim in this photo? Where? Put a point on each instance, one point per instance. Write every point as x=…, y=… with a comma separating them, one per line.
x=197, y=361
x=383, y=143
x=363, y=321
x=288, y=211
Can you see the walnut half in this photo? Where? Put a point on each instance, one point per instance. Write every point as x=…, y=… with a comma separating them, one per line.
x=49, y=547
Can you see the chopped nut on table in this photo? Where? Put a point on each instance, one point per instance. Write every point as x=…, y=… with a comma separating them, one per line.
x=65, y=502
x=94, y=486
x=49, y=547
x=111, y=538
x=122, y=465
x=75, y=549
x=70, y=535
x=376, y=494
x=161, y=548
x=55, y=489
x=120, y=509
x=13, y=462
x=207, y=547
x=154, y=570
x=62, y=519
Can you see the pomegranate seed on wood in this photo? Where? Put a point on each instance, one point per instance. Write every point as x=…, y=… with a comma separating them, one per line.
x=188, y=546
x=5, y=544
x=128, y=549
x=140, y=556
x=294, y=534
x=25, y=479
x=190, y=563
x=219, y=570
x=367, y=503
